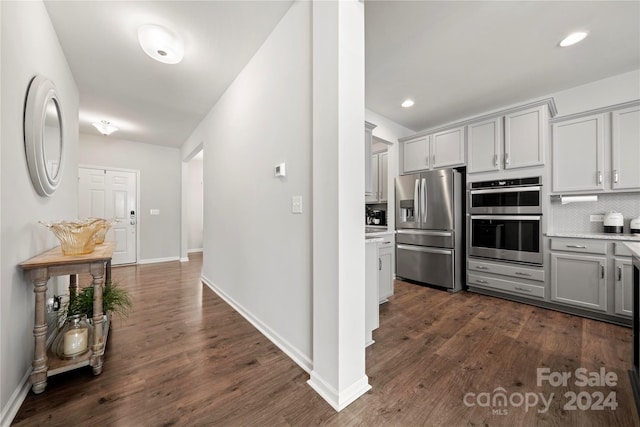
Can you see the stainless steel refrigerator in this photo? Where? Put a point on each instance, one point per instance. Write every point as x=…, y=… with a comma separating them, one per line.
x=429, y=231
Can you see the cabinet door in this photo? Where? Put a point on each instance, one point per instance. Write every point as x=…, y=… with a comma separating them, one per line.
x=368, y=138
x=524, y=138
x=624, y=287
x=485, y=141
x=625, y=133
x=373, y=198
x=447, y=148
x=383, y=185
x=579, y=280
x=578, y=153
x=385, y=278
x=416, y=155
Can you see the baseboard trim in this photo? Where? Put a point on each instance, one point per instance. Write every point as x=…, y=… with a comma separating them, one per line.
x=185, y=259
x=193, y=251
x=296, y=355
x=339, y=400
x=157, y=260
x=15, y=401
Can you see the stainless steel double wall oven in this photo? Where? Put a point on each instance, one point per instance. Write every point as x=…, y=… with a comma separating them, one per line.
x=506, y=220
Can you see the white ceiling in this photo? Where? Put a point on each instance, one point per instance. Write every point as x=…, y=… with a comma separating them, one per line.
x=454, y=58
x=460, y=58
x=149, y=101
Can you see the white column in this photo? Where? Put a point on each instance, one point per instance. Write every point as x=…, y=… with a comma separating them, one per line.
x=338, y=202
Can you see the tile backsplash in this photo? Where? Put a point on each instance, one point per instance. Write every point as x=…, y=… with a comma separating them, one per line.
x=574, y=217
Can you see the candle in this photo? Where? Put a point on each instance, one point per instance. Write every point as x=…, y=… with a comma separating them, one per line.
x=75, y=341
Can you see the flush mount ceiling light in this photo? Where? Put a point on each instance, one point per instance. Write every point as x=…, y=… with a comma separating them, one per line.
x=573, y=38
x=407, y=103
x=161, y=44
x=105, y=127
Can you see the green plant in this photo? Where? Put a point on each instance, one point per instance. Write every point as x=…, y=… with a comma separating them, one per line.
x=114, y=299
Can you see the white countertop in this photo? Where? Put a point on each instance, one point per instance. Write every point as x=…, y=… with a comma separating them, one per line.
x=373, y=239
x=601, y=236
x=634, y=248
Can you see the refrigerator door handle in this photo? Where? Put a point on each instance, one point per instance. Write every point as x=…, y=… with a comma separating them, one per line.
x=425, y=249
x=416, y=198
x=423, y=200
x=425, y=232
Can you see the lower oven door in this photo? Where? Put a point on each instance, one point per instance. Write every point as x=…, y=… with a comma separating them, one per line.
x=507, y=237
x=425, y=264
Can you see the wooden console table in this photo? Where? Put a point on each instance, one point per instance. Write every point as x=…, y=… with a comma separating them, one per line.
x=52, y=263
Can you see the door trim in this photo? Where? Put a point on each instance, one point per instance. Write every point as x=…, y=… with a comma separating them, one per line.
x=139, y=216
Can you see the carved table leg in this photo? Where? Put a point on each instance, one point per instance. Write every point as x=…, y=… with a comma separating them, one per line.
x=38, y=377
x=97, y=349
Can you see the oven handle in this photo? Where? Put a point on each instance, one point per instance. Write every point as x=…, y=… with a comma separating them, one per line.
x=508, y=217
x=425, y=249
x=507, y=190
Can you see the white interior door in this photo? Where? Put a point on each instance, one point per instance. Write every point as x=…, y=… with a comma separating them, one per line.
x=111, y=194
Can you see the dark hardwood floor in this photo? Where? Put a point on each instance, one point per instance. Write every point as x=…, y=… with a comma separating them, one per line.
x=184, y=357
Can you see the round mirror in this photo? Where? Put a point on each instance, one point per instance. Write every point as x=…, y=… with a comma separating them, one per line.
x=43, y=136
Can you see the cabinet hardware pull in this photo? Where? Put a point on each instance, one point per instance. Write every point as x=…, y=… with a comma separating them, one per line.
x=495, y=160
x=379, y=264
x=599, y=177
x=619, y=273
x=481, y=267
x=427, y=160
x=434, y=160
x=481, y=281
x=602, y=271
x=517, y=288
x=507, y=160
x=518, y=273
x=386, y=243
x=577, y=246
x=615, y=176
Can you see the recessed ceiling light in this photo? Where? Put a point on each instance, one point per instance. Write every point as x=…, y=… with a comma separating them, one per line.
x=407, y=103
x=573, y=38
x=161, y=44
x=105, y=127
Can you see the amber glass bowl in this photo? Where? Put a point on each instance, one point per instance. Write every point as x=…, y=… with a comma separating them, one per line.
x=76, y=237
x=103, y=226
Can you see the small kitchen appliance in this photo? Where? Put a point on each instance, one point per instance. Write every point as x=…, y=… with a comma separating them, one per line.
x=634, y=226
x=613, y=222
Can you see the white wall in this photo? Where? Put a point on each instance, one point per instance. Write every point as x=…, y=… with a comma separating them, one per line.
x=256, y=252
x=194, y=201
x=601, y=93
x=29, y=46
x=160, y=188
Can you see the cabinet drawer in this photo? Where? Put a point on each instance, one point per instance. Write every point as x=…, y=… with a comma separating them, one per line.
x=508, y=270
x=579, y=245
x=506, y=285
x=621, y=249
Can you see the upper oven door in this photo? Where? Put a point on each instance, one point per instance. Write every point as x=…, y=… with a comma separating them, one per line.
x=517, y=200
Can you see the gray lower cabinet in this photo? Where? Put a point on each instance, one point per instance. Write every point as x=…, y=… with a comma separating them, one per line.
x=385, y=270
x=623, y=271
x=579, y=280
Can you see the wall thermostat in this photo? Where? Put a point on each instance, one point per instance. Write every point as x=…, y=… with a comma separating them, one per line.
x=280, y=170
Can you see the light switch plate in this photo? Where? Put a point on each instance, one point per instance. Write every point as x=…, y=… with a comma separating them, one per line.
x=154, y=212
x=280, y=170
x=296, y=204
x=596, y=218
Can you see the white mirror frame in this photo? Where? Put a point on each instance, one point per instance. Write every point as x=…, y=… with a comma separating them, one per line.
x=41, y=90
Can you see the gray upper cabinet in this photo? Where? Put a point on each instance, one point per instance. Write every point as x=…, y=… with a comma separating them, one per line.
x=383, y=172
x=375, y=181
x=447, y=148
x=439, y=150
x=415, y=154
x=485, y=145
x=524, y=138
x=368, y=138
x=597, y=151
x=578, y=154
x=625, y=145
x=379, y=174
